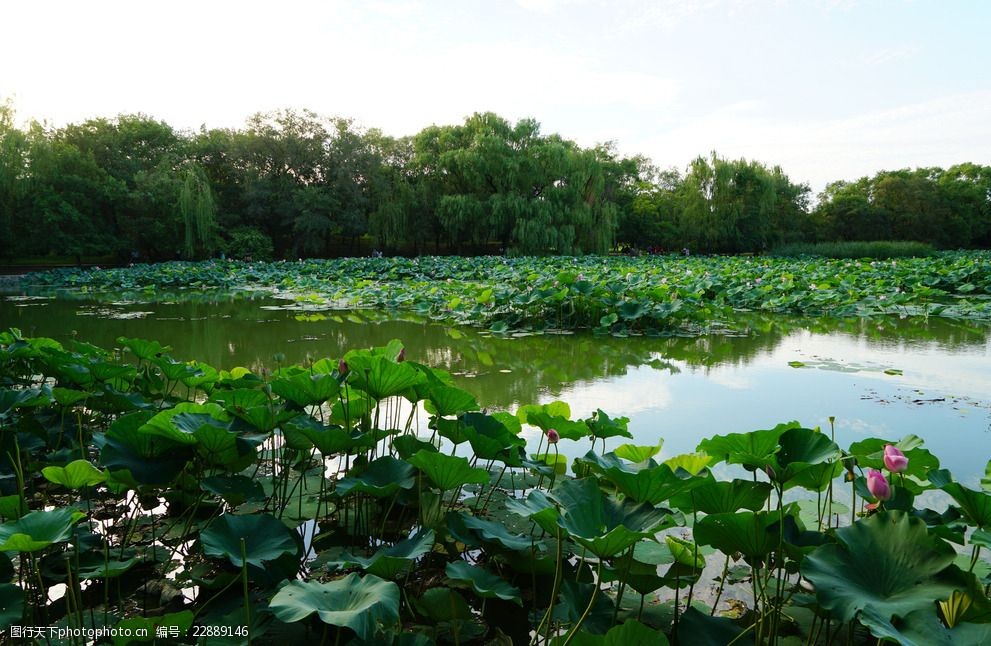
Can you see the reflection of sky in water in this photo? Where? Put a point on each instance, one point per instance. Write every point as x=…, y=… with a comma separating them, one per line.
x=679, y=389
x=696, y=403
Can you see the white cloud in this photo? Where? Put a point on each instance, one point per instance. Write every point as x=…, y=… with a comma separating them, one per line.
x=938, y=132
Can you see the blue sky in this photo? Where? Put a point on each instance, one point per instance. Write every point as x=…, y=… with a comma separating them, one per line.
x=826, y=89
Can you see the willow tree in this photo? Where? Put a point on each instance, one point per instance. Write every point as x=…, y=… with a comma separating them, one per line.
x=196, y=208
x=12, y=166
x=727, y=206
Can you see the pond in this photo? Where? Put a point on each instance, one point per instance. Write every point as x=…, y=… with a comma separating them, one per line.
x=882, y=377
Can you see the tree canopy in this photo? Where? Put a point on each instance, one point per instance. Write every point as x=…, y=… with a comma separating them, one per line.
x=294, y=183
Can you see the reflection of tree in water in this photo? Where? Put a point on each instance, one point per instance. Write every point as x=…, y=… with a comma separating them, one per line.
x=225, y=331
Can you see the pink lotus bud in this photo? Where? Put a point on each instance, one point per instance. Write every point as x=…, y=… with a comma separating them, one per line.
x=401, y=356
x=894, y=459
x=552, y=436
x=342, y=367
x=878, y=485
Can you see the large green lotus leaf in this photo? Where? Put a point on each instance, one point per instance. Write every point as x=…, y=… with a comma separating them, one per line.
x=93, y=565
x=382, y=477
x=448, y=472
x=801, y=449
x=636, y=453
x=24, y=398
x=11, y=604
x=975, y=505
x=650, y=483
x=923, y=628
x=604, y=524
x=870, y=455
x=472, y=530
x=443, y=604
x=75, y=475
x=510, y=421
x=754, y=449
x=887, y=562
x=721, y=497
x=565, y=428
x=693, y=463
x=986, y=480
x=234, y=489
x=538, y=508
x=64, y=396
x=381, y=377
x=265, y=538
x=305, y=389
x=217, y=443
x=450, y=429
x=490, y=439
x=13, y=506
x=448, y=400
x=180, y=423
x=203, y=377
x=176, y=370
x=38, y=529
x=352, y=409
x=555, y=408
x=331, y=440
x=148, y=458
x=602, y=426
x=815, y=477
x=251, y=405
x=637, y=574
x=601, y=464
x=366, y=604
x=699, y=629
x=484, y=583
x=432, y=378
x=389, y=562
x=653, y=485
x=753, y=534
x=408, y=444
x=106, y=371
x=575, y=598
x=144, y=349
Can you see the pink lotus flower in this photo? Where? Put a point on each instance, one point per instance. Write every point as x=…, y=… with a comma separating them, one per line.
x=878, y=485
x=342, y=367
x=552, y=436
x=894, y=459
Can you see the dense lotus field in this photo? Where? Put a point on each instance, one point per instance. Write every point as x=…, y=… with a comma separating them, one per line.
x=618, y=295
x=367, y=500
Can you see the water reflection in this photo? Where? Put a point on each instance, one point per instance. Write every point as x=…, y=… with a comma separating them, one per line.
x=885, y=377
x=225, y=331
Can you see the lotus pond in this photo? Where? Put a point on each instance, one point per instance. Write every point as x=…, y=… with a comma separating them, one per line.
x=268, y=477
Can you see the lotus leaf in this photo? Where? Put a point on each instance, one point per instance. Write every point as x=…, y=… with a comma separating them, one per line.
x=448, y=472
x=366, y=605
x=888, y=563
x=382, y=477
x=603, y=524
x=975, y=505
x=485, y=584
x=753, y=534
x=38, y=529
x=472, y=530
x=265, y=539
x=75, y=475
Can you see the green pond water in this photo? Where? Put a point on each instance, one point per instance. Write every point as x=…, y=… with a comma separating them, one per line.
x=878, y=377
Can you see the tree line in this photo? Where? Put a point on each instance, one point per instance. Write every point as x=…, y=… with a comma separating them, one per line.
x=293, y=183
